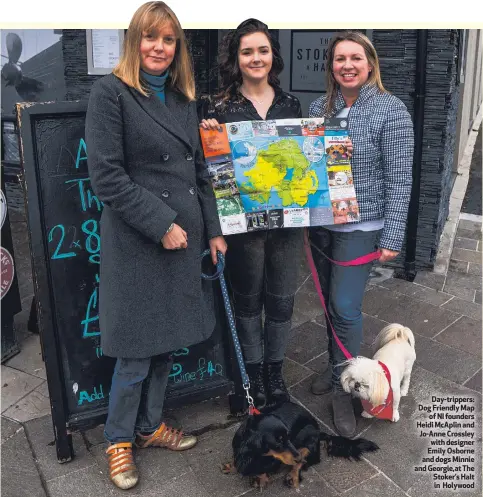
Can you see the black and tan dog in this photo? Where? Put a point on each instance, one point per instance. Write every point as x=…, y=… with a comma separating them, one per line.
x=337, y=151
x=286, y=434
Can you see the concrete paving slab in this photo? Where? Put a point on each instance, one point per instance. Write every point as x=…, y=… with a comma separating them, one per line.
x=41, y=435
x=157, y=467
x=448, y=362
x=34, y=405
x=30, y=358
x=474, y=269
x=308, y=341
x=94, y=436
x=15, y=385
x=424, y=319
x=378, y=486
x=418, y=292
x=402, y=447
x=429, y=279
x=319, y=363
x=181, y=486
x=342, y=474
x=205, y=460
x=203, y=416
x=9, y=428
x=462, y=293
x=469, y=225
x=473, y=234
x=465, y=243
x=458, y=266
x=20, y=477
x=293, y=372
x=87, y=482
x=307, y=302
x=471, y=281
x=463, y=335
x=474, y=382
x=469, y=309
x=312, y=485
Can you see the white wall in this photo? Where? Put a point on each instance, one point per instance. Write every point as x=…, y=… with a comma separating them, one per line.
x=470, y=90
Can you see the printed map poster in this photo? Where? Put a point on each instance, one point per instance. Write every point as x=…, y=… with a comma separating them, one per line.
x=280, y=174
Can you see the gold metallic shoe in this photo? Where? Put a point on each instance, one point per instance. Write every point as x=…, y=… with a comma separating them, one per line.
x=166, y=437
x=122, y=470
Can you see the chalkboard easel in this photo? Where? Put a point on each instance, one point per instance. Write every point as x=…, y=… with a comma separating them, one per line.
x=63, y=219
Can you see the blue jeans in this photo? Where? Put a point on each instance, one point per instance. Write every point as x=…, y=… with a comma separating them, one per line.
x=262, y=268
x=343, y=287
x=137, y=397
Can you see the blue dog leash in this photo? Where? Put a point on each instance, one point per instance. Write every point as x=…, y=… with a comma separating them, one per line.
x=220, y=266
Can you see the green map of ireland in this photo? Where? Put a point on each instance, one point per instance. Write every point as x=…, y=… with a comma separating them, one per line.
x=282, y=168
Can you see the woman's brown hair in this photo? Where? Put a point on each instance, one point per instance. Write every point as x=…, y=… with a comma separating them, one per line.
x=371, y=54
x=151, y=16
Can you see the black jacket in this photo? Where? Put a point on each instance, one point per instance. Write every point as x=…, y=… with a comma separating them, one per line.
x=239, y=108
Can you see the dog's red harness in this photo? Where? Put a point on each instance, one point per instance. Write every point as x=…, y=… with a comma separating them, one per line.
x=384, y=411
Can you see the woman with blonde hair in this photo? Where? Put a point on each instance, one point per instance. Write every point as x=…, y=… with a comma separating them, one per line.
x=381, y=131
x=159, y=214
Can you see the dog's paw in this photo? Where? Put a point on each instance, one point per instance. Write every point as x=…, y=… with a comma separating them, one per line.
x=365, y=414
x=395, y=416
x=260, y=481
x=292, y=480
x=227, y=468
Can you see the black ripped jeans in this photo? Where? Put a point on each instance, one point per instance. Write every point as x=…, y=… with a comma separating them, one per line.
x=262, y=268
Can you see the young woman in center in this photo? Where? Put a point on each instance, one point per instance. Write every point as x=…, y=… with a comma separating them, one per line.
x=262, y=265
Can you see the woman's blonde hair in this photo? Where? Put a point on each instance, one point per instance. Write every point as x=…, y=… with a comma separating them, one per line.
x=371, y=54
x=151, y=16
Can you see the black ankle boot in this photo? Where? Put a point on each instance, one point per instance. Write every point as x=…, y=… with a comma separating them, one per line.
x=344, y=417
x=276, y=390
x=257, y=386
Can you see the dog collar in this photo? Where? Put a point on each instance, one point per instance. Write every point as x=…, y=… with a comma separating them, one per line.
x=383, y=411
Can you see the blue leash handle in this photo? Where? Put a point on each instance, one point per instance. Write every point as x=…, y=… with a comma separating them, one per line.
x=220, y=266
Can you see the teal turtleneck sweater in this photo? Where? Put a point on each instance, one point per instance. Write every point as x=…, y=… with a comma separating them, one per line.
x=156, y=83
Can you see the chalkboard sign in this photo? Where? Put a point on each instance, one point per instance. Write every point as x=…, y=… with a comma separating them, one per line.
x=64, y=216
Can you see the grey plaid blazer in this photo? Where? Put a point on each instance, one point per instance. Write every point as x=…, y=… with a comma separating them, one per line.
x=381, y=131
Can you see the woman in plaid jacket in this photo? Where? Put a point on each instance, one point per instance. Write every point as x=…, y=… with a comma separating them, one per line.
x=381, y=131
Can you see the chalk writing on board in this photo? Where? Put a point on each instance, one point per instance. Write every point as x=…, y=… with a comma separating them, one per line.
x=84, y=395
x=86, y=195
x=204, y=368
x=57, y=253
x=81, y=153
x=183, y=351
x=92, y=314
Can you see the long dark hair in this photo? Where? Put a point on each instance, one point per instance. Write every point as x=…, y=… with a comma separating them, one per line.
x=231, y=76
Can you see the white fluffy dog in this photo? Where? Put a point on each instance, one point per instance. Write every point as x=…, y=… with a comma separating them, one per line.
x=365, y=378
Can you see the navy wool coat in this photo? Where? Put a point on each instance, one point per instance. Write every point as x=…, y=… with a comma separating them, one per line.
x=146, y=164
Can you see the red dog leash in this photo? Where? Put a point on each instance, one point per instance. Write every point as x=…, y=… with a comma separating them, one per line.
x=364, y=259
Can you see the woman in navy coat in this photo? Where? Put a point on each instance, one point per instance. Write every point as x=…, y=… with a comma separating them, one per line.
x=147, y=167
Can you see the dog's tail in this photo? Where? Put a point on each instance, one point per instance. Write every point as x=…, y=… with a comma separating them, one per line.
x=345, y=447
x=394, y=331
